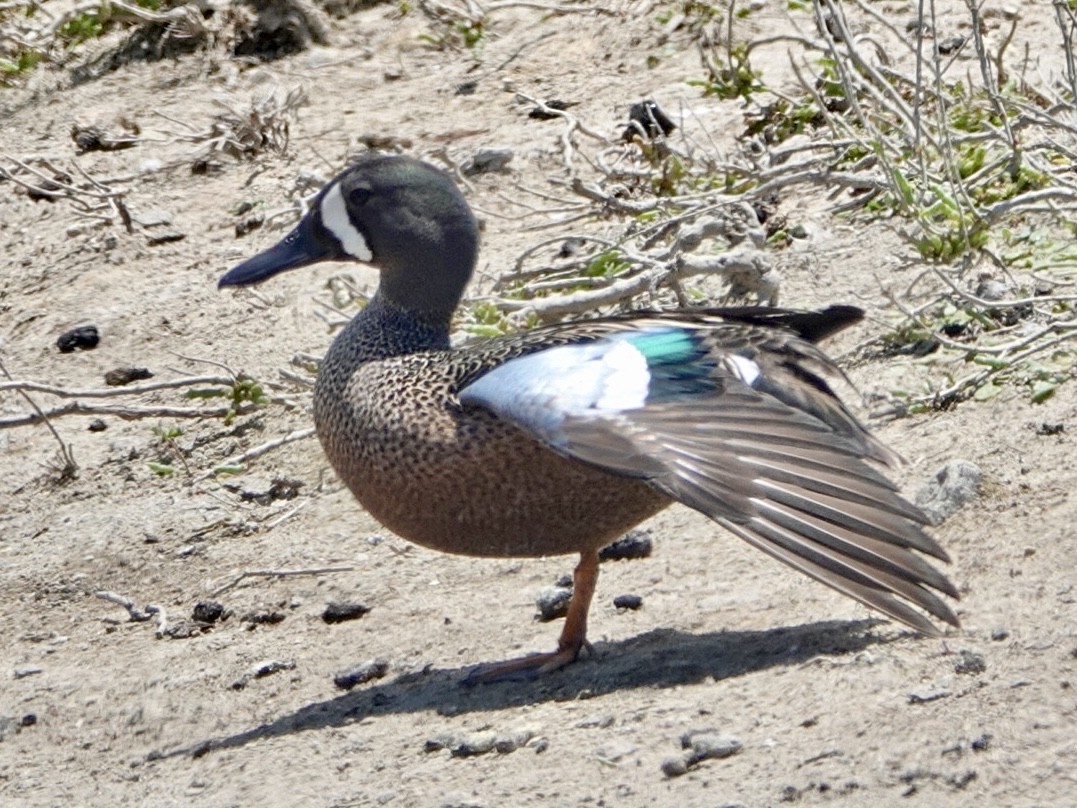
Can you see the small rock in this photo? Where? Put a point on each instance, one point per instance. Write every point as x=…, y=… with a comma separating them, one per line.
x=595, y=722
x=540, y=114
x=631, y=602
x=340, y=611
x=634, y=544
x=208, y=611
x=948, y=489
x=999, y=634
x=28, y=720
x=991, y=289
x=674, y=766
x=249, y=224
x=23, y=671
x=85, y=338
x=118, y=377
x=552, y=602
x=981, y=744
x=570, y=247
x=443, y=741
x=262, y=617
x=707, y=745
x=97, y=425
x=541, y=745
x=185, y=629
x=970, y=662
x=360, y=674
x=645, y=118
x=925, y=696
x=513, y=740
x=477, y=743
x=152, y=218
x=485, y=161
x=279, y=488
x=164, y=236
x=265, y=668
x=952, y=44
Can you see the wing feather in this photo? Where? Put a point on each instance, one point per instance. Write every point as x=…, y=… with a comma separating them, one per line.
x=744, y=428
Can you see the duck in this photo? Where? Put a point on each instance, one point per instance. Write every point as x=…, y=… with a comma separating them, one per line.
x=560, y=439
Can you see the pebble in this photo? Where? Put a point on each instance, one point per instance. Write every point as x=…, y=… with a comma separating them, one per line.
x=999, y=634
x=85, y=338
x=646, y=117
x=708, y=745
x=118, y=377
x=700, y=745
x=97, y=425
x=477, y=743
x=487, y=160
x=981, y=744
x=949, y=488
x=438, y=742
x=513, y=740
x=264, y=668
x=262, y=617
x=631, y=602
x=634, y=544
x=164, y=236
x=552, y=602
x=925, y=696
x=360, y=674
x=23, y=671
x=207, y=611
x=595, y=722
x=674, y=766
x=993, y=290
x=152, y=218
x=970, y=662
x=339, y=611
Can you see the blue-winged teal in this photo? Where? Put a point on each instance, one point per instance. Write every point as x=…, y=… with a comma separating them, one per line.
x=560, y=439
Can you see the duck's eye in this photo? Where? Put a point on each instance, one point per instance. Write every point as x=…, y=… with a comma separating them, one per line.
x=358, y=196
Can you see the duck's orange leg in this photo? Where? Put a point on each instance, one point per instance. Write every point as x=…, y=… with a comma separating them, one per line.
x=573, y=636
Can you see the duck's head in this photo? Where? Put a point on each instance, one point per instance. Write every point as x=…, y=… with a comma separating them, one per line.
x=400, y=215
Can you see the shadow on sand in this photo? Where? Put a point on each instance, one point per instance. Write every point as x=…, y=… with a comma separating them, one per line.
x=657, y=659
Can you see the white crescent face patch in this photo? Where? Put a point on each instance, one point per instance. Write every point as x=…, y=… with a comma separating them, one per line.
x=336, y=221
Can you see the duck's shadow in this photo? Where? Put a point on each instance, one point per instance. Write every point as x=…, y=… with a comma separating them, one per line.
x=657, y=659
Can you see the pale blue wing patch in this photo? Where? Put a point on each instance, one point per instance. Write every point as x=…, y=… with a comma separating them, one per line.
x=540, y=391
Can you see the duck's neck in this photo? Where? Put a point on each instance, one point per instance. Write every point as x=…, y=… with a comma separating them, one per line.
x=383, y=330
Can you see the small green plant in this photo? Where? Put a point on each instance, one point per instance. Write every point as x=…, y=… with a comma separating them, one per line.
x=485, y=319
x=458, y=31
x=243, y=391
x=167, y=436
x=22, y=62
x=734, y=78
x=82, y=27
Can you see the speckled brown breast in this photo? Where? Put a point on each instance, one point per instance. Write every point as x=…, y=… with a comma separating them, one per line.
x=458, y=479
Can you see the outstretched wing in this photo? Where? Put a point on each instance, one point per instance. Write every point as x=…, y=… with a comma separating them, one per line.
x=737, y=421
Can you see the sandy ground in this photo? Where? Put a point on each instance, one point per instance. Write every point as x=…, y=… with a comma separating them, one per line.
x=829, y=703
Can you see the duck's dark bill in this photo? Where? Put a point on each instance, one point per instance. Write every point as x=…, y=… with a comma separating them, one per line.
x=298, y=249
